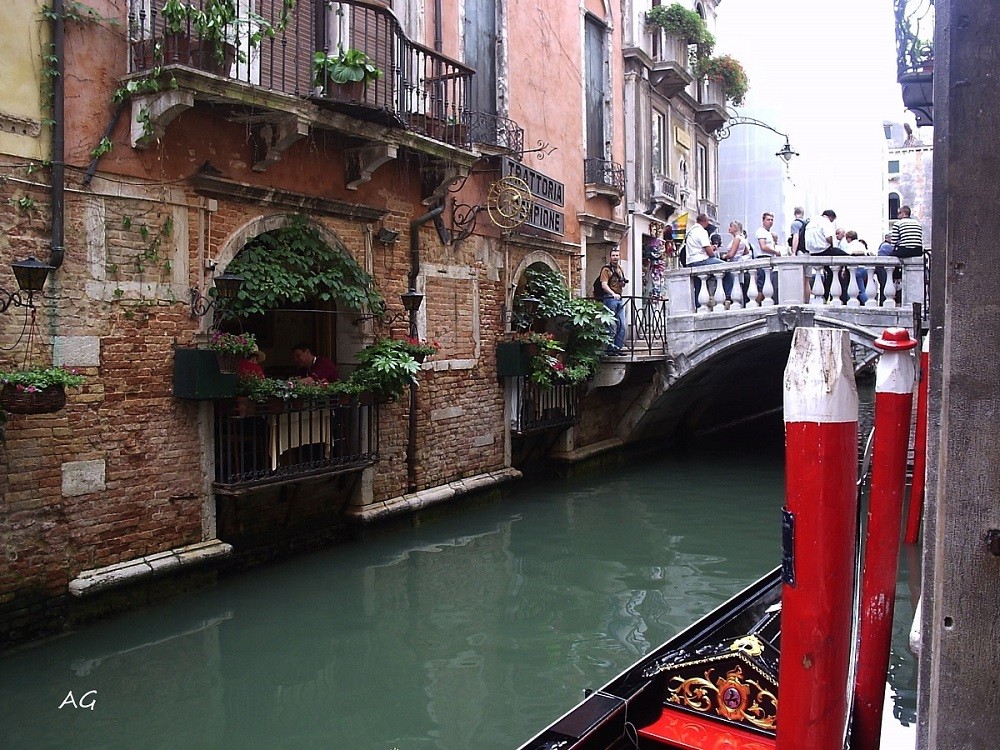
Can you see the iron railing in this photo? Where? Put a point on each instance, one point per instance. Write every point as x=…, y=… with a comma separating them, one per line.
x=493, y=130
x=259, y=444
x=604, y=173
x=646, y=332
x=711, y=210
x=418, y=88
x=664, y=188
x=539, y=409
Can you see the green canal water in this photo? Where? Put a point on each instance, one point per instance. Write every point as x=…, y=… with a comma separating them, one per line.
x=470, y=627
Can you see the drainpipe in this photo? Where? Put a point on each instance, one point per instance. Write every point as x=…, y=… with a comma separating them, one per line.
x=438, y=27
x=411, y=441
x=58, y=136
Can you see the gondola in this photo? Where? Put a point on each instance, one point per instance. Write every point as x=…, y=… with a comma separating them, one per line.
x=714, y=685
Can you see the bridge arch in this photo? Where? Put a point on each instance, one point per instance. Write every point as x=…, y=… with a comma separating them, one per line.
x=732, y=377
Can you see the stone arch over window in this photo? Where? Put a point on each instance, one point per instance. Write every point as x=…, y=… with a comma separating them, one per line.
x=894, y=203
x=329, y=329
x=537, y=257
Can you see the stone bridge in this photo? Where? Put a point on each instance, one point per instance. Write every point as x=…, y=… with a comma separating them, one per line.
x=696, y=364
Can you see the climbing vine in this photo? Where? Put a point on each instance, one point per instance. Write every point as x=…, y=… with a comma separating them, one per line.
x=294, y=264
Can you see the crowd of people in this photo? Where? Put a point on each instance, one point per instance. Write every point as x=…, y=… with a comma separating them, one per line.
x=819, y=236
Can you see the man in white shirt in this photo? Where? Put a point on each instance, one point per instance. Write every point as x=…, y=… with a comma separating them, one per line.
x=701, y=252
x=766, y=247
x=820, y=233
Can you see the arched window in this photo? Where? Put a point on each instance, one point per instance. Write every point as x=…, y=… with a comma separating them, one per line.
x=894, y=204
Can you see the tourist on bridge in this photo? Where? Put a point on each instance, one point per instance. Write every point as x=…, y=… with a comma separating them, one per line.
x=907, y=235
x=739, y=249
x=820, y=234
x=767, y=247
x=793, y=233
x=613, y=283
x=701, y=252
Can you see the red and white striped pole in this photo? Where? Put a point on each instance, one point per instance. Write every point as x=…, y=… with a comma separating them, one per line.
x=919, y=450
x=819, y=525
x=893, y=410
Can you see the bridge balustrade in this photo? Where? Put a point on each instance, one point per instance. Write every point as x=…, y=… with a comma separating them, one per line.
x=849, y=281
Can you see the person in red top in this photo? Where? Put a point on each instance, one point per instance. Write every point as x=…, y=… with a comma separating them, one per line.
x=250, y=367
x=316, y=369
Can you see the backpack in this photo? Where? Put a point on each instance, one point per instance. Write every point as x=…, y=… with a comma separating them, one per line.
x=598, y=289
x=802, y=237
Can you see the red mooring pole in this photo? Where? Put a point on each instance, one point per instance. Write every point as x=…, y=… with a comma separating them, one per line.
x=919, y=451
x=819, y=538
x=894, y=379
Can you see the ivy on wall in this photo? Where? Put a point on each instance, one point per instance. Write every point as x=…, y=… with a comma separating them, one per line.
x=294, y=264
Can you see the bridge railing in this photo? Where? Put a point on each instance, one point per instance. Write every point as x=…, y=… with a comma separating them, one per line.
x=851, y=281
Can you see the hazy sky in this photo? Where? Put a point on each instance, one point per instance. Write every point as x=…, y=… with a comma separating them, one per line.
x=825, y=73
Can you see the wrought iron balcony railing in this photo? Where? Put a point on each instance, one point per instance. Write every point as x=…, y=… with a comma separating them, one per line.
x=260, y=444
x=539, y=409
x=709, y=209
x=605, y=174
x=493, y=130
x=275, y=48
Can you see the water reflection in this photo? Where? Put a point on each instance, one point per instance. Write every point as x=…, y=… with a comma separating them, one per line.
x=471, y=628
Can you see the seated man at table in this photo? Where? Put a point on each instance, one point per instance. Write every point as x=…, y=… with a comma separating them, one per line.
x=315, y=368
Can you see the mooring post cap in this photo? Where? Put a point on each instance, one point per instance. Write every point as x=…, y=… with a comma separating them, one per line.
x=895, y=340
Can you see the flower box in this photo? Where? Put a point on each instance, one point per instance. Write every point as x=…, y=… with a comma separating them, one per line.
x=197, y=376
x=513, y=359
x=18, y=400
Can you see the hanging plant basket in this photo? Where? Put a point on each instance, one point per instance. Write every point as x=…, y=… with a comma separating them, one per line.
x=21, y=401
x=228, y=362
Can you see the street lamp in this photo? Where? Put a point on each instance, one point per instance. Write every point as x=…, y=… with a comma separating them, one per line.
x=785, y=154
x=227, y=287
x=30, y=275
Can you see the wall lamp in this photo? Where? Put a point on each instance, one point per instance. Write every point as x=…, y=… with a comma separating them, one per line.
x=227, y=287
x=528, y=309
x=387, y=236
x=412, y=300
x=30, y=275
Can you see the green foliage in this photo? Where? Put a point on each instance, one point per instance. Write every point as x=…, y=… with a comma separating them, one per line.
x=585, y=324
x=388, y=366
x=103, y=148
x=243, y=344
x=683, y=22
x=38, y=378
x=261, y=389
x=729, y=72
x=351, y=65
x=293, y=264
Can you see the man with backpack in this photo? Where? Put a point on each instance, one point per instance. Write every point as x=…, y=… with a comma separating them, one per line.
x=608, y=288
x=795, y=234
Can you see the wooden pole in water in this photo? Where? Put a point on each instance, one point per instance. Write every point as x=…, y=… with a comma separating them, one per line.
x=893, y=410
x=919, y=451
x=819, y=524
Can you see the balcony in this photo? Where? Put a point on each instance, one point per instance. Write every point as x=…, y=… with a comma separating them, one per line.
x=494, y=134
x=542, y=409
x=665, y=192
x=270, y=82
x=669, y=74
x=265, y=444
x=710, y=112
x=603, y=177
x=915, y=58
x=709, y=209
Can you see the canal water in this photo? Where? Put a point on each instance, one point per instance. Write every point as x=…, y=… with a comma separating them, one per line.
x=469, y=627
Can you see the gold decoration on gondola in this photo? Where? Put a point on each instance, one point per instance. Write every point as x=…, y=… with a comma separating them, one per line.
x=733, y=698
x=749, y=645
x=509, y=202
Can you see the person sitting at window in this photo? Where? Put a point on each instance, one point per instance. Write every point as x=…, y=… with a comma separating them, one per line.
x=315, y=368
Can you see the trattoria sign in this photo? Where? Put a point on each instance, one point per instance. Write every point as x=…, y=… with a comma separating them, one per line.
x=543, y=188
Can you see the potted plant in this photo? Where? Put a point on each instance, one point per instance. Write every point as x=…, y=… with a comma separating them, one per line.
x=582, y=330
x=387, y=367
x=37, y=390
x=684, y=23
x=729, y=72
x=230, y=348
x=352, y=70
